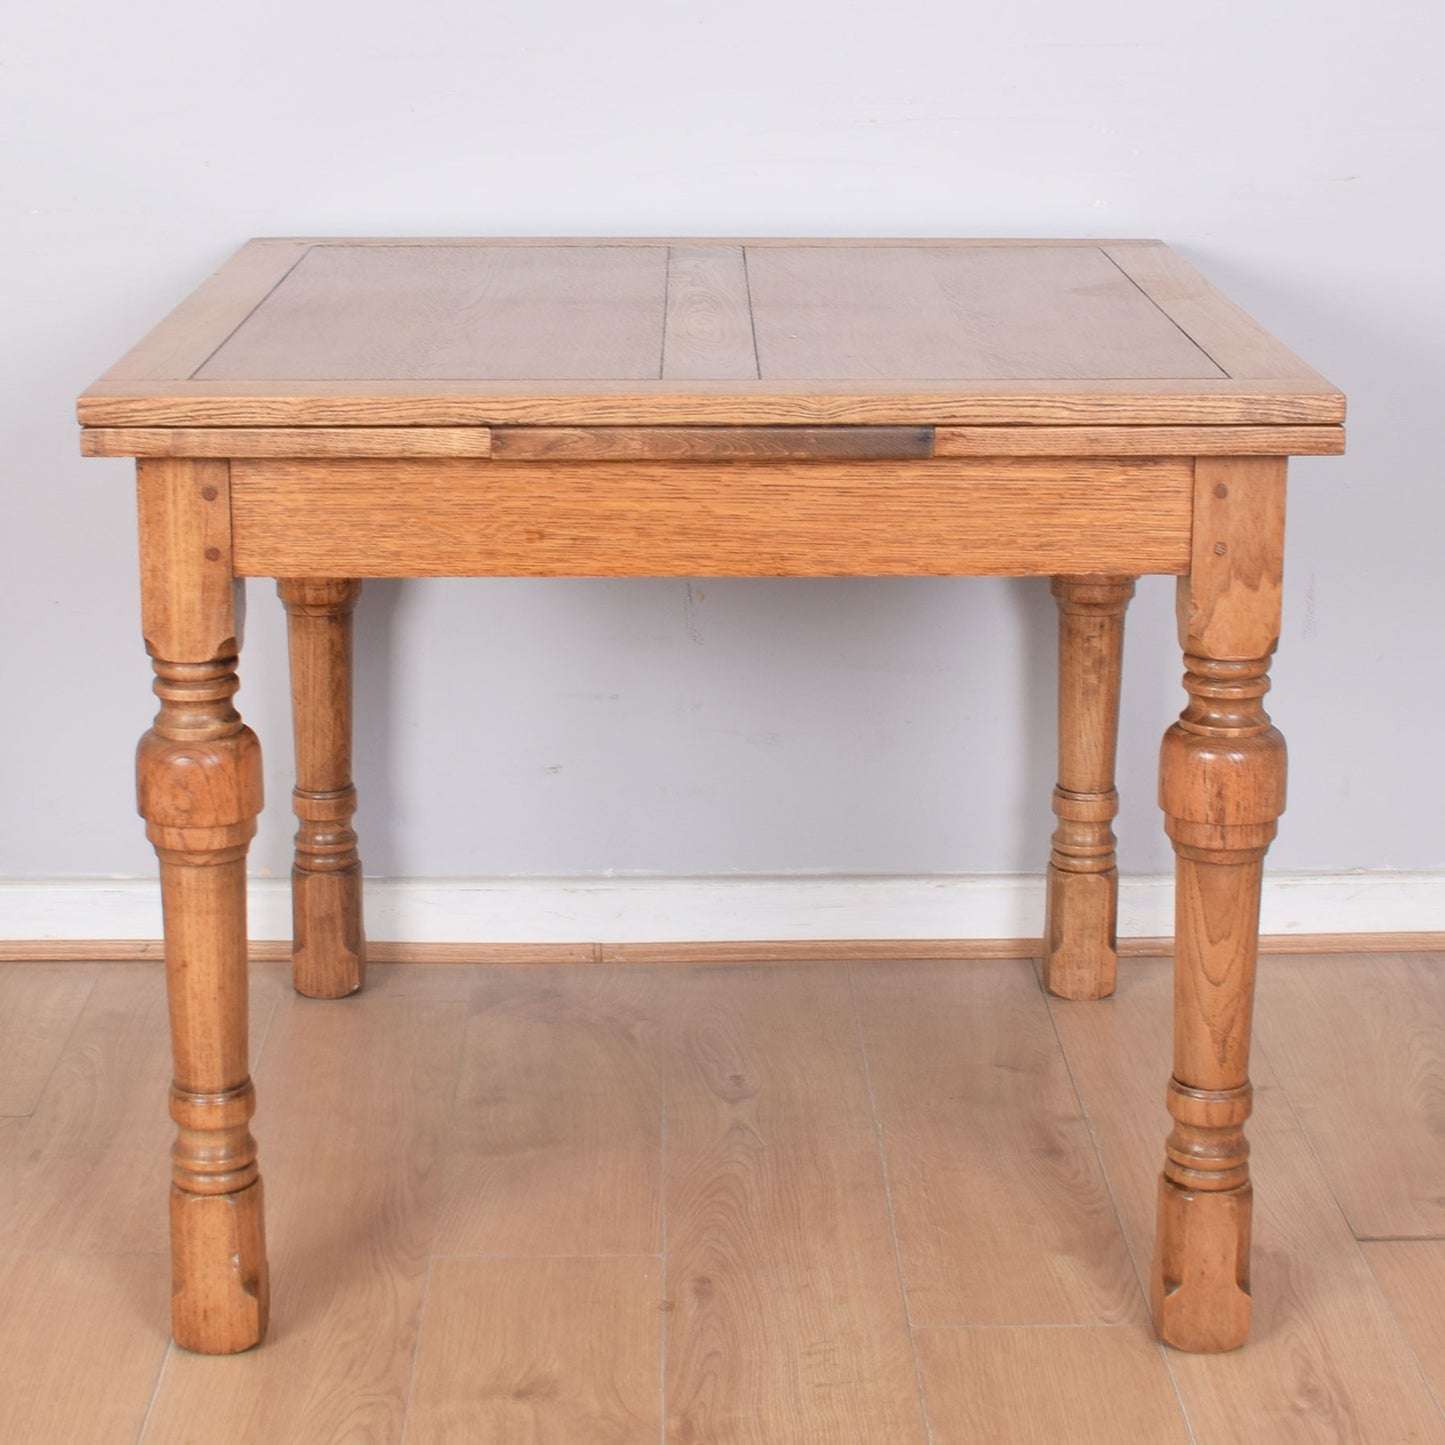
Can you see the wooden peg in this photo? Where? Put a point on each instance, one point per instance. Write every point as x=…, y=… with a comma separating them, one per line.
x=329, y=948
x=1080, y=927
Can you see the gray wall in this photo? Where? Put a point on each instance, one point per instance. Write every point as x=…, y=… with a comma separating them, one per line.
x=1292, y=151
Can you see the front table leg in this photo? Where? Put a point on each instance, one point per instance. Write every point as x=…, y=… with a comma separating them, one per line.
x=1222, y=790
x=199, y=788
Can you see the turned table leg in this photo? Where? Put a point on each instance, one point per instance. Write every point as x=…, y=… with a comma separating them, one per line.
x=1222, y=790
x=199, y=790
x=1080, y=927
x=329, y=948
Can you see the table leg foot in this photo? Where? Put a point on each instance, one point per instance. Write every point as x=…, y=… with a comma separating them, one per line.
x=1080, y=927
x=1199, y=1289
x=329, y=948
x=221, y=1292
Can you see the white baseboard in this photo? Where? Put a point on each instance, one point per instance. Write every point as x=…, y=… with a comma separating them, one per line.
x=670, y=910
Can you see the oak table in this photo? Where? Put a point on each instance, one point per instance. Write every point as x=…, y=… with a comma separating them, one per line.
x=321, y=411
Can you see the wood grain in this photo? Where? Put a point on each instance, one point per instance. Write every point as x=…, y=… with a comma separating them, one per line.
x=574, y=333
x=787, y=1321
x=227, y=442
x=1234, y=340
x=541, y=1351
x=1001, y=1211
x=80, y=1347
x=1375, y=1125
x=1412, y=1275
x=39, y=1005
x=558, y=1136
x=1000, y=313
x=708, y=329
x=1081, y=946
x=535, y=312
x=352, y=1179
x=454, y=518
x=1138, y=441
x=754, y=444
x=379, y=402
x=329, y=952
x=92, y=1166
x=1324, y=1359
x=1027, y=1385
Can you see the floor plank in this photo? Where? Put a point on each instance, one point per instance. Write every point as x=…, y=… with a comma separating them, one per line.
x=1020, y=1386
x=539, y=1352
x=1412, y=1274
x=557, y=1147
x=1377, y=1121
x=82, y=1339
x=787, y=1320
x=356, y=1099
x=39, y=1004
x=1001, y=1209
x=93, y=1158
x=1325, y=1361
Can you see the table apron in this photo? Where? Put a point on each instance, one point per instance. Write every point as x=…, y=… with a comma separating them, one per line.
x=455, y=517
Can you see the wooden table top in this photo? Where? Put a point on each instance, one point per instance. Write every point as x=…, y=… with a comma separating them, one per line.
x=329, y=333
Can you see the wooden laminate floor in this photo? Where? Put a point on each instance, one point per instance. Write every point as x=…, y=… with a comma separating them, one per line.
x=885, y=1204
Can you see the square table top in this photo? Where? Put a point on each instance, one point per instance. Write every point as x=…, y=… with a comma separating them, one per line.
x=484, y=332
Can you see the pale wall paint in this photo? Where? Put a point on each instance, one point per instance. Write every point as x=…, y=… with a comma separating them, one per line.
x=1293, y=151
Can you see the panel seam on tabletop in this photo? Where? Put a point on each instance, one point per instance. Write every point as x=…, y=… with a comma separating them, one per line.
x=752, y=319
x=270, y=292
x=666, y=312
x=888, y=1202
x=1203, y=351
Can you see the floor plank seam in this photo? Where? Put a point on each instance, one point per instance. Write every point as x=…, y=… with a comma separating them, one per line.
x=431, y=1255
x=64, y=1048
x=1113, y=1199
x=665, y=1323
x=888, y=1203
x=150, y=1409
x=1385, y=1300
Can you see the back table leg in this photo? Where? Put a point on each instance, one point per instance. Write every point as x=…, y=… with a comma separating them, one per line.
x=1080, y=947
x=329, y=948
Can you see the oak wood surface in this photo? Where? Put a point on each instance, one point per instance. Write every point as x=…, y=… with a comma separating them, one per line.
x=999, y=1206
x=1012, y=516
x=1080, y=944
x=559, y=1117
x=1328, y=1362
x=721, y=332
x=77, y=1361
x=1411, y=1273
x=773, y=1174
x=1029, y=1384
x=541, y=1351
x=1377, y=1122
x=329, y=942
x=39, y=1005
